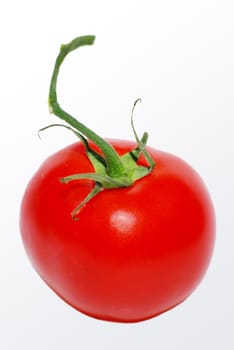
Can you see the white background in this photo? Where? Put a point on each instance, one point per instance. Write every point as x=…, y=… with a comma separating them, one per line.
x=178, y=56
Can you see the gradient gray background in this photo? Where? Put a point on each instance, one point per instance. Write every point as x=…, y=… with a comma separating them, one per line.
x=178, y=56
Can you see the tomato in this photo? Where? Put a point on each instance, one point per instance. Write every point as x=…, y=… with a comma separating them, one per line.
x=134, y=252
x=120, y=231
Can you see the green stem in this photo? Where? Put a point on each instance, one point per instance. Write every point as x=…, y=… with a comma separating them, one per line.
x=115, y=167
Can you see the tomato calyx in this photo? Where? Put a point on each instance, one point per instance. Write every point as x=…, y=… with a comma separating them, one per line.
x=110, y=169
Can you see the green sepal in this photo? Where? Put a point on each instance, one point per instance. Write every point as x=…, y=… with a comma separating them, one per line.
x=97, y=188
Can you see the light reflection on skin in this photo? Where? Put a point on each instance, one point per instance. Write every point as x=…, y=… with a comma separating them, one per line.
x=123, y=221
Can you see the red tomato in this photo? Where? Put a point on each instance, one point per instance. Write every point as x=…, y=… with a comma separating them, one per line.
x=134, y=252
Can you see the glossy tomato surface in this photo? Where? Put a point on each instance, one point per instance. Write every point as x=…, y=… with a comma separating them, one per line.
x=134, y=252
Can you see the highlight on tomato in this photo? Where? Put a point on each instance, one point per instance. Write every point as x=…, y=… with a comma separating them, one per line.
x=120, y=231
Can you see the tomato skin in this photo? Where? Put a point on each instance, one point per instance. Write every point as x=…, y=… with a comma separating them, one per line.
x=134, y=252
